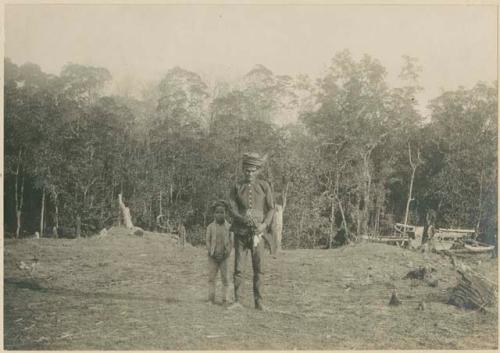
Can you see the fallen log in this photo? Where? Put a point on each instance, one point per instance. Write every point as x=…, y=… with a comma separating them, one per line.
x=479, y=248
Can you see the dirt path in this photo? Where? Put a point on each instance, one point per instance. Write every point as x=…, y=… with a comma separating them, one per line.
x=125, y=292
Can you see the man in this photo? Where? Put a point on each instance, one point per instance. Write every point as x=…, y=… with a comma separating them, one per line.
x=251, y=207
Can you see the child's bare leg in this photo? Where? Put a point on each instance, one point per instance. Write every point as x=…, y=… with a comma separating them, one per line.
x=225, y=282
x=212, y=274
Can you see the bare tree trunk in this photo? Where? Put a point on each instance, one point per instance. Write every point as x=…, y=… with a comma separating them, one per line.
x=356, y=213
x=301, y=224
x=366, y=197
x=78, y=226
x=161, y=211
x=111, y=199
x=151, y=215
x=409, y=198
x=344, y=223
x=363, y=198
x=16, y=204
x=18, y=198
x=365, y=212
x=56, y=221
x=19, y=211
x=42, y=211
x=377, y=219
x=238, y=151
x=119, y=218
x=284, y=195
x=332, y=222
x=145, y=212
x=56, y=211
x=480, y=203
x=414, y=166
x=18, y=223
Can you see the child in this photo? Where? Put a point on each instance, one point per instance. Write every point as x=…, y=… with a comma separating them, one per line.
x=219, y=245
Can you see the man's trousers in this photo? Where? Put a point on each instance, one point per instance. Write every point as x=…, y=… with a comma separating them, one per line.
x=240, y=253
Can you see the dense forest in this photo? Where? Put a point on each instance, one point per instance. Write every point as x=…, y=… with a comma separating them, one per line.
x=356, y=148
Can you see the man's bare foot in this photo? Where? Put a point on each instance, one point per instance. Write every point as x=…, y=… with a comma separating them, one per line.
x=261, y=307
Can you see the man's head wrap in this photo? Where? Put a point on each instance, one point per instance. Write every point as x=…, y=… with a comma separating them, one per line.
x=253, y=159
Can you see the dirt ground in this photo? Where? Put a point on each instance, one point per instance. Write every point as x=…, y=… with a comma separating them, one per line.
x=146, y=293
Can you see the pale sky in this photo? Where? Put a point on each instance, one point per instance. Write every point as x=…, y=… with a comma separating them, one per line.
x=455, y=44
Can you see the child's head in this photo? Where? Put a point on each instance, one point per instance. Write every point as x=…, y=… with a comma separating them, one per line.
x=219, y=211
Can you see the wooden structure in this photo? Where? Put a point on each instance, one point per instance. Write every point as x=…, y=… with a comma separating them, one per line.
x=444, y=239
x=445, y=234
x=403, y=235
x=459, y=241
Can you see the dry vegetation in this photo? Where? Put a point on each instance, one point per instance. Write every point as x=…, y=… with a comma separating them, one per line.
x=127, y=292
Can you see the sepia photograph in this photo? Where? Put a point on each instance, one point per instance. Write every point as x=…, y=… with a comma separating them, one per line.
x=250, y=176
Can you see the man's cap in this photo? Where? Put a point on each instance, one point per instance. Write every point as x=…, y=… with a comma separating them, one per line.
x=253, y=159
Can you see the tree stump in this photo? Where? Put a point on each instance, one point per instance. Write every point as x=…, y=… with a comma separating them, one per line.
x=127, y=218
x=394, y=301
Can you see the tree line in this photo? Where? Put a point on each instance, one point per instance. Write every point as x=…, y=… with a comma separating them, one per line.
x=348, y=162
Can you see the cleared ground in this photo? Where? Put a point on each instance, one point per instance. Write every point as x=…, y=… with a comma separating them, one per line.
x=146, y=293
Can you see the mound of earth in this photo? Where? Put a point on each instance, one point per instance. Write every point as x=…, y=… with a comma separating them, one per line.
x=121, y=291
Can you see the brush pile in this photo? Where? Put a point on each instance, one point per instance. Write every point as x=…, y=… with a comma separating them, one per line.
x=473, y=291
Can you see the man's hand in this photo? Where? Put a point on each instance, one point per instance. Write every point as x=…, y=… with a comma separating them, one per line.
x=261, y=228
x=248, y=221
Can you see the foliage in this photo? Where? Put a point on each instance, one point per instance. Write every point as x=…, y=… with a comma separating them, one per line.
x=343, y=164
